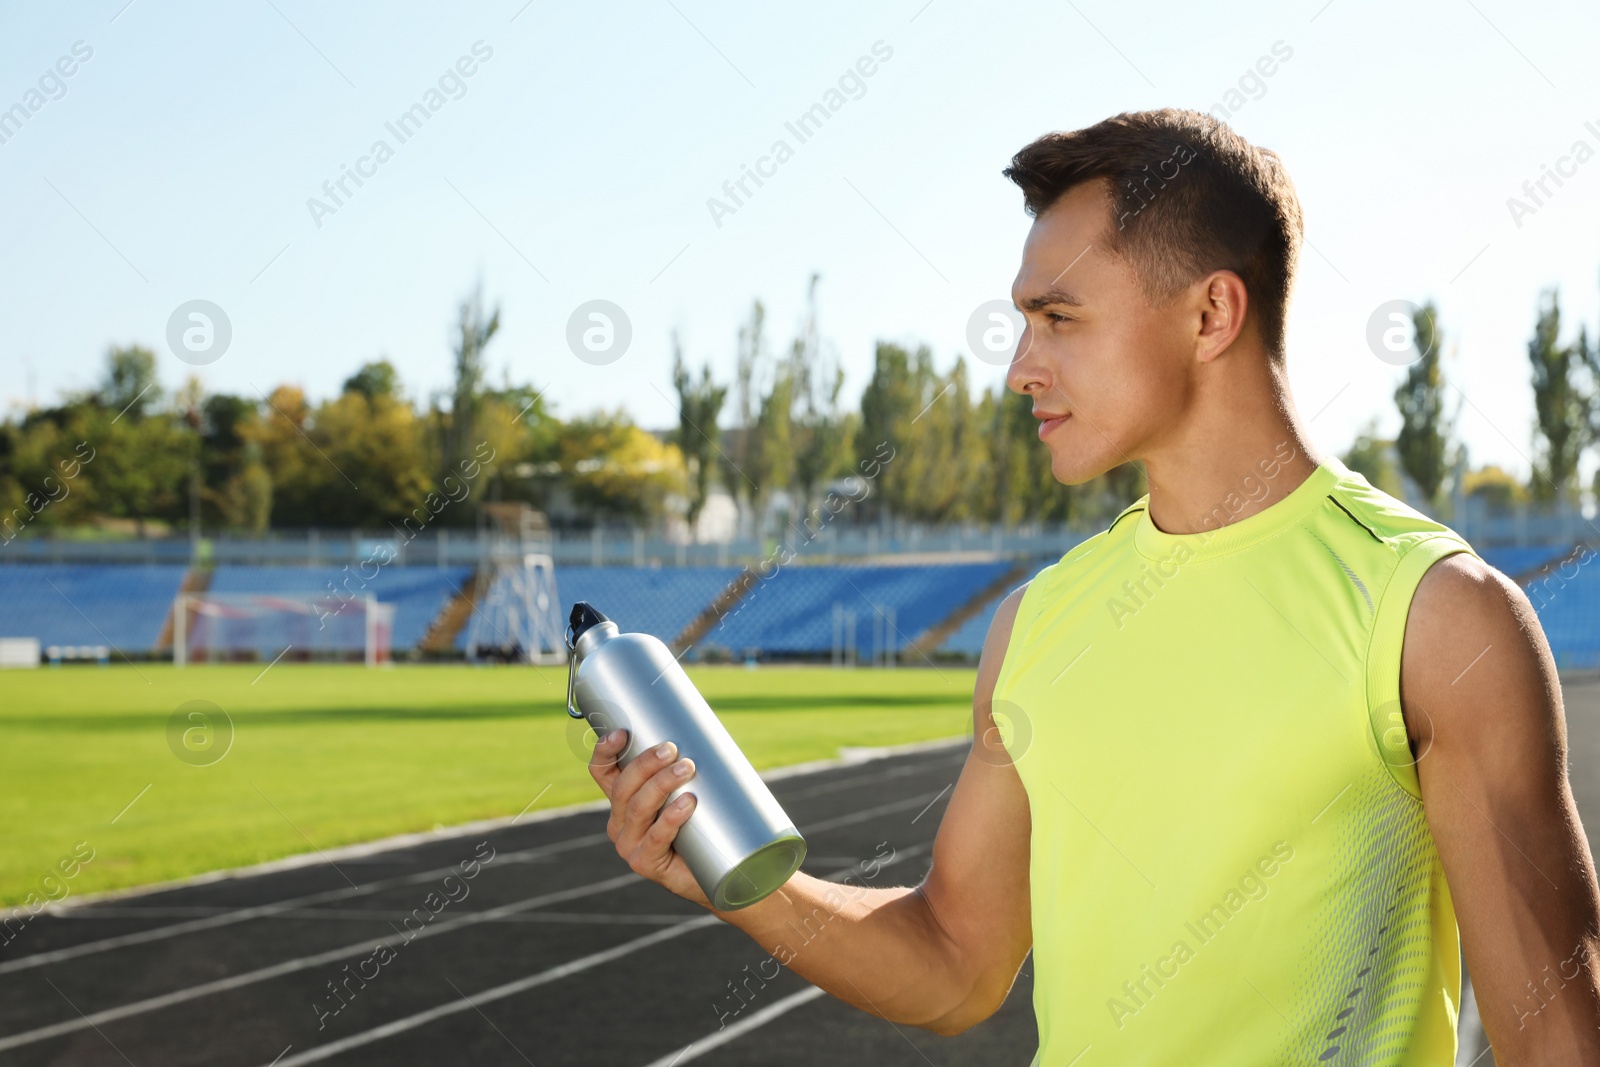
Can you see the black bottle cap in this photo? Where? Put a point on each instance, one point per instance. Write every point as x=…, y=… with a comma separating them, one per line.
x=583, y=617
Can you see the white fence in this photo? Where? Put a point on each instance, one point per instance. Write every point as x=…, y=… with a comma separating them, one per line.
x=641, y=547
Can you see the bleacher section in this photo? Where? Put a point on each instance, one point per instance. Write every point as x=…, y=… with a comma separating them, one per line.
x=88, y=603
x=1518, y=560
x=418, y=593
x=791, y=611
x=653, y=600
x=789, y=614
x=1567, y=600
x=968, y=639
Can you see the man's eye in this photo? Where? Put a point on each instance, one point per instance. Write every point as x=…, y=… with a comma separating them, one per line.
x=1056, y=317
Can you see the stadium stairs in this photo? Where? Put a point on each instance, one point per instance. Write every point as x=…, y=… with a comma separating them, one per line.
x=195, y=580
x=447, y=626
x=715, y=611
x=940, y=632
x=794, y=612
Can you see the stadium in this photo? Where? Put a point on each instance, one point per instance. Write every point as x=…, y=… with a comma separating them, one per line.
x=894, y=633
x=337, y=532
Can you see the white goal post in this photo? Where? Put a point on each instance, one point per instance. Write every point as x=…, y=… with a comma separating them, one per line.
x=267, y=626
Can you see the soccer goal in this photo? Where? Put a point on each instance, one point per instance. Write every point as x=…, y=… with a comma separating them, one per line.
x=232, y=627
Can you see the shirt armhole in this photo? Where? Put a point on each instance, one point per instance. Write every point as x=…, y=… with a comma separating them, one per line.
x=1383, y=656
x=1021, y=623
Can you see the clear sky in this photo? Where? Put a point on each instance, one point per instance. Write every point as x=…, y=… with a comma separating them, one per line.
x=576, y=160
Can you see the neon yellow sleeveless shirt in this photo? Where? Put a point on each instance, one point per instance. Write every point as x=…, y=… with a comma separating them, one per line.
x=1230, y=862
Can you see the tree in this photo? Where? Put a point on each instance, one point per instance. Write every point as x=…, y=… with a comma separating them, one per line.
x=474, y=331
x=374, y=379
x=618, y=469
x=819, y=432
x=1370, y=456
x=1561, y=404
x=1498, y=489
x=130, y=384
x=771, y=459
x=279, y=437
x=379, y=445
x=749, y=362
x=699, y=407
x=522, y=431
x=888, y=404
x=937, y=456
x=141, y=468
x=235, y=489
x=1423, y=442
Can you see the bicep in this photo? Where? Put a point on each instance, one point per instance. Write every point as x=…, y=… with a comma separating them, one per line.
x=977, y=888
x=1480, y=692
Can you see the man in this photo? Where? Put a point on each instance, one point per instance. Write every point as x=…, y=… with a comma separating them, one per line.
x=1271, y=739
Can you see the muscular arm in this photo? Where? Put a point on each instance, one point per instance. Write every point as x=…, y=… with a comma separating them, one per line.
x=1491, y=739
x=941, y=955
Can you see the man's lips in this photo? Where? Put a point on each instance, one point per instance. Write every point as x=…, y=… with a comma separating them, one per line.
x=1048, y=422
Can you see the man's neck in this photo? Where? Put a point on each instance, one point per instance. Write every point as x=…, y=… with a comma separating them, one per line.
x=1236, y=453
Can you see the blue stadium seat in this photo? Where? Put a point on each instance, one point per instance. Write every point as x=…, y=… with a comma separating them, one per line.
x=791, y=611
x=1567, y=601
x=968, y=638
x=88, y=603
x=652, y=600
x=1516, y=560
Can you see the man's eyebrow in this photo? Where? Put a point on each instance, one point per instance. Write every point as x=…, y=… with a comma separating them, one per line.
x=1050, y=296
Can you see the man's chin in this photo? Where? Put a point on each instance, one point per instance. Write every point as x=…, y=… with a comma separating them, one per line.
x=1076, y=470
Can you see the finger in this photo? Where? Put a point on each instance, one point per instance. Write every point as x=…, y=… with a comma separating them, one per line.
x=652, y=856
x=646, y=803
x=625, y=784
x=603, y=766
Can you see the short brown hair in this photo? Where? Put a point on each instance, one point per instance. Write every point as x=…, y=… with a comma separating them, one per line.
x=1228, y=205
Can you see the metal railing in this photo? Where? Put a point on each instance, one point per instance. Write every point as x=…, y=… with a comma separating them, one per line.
x=641, y=547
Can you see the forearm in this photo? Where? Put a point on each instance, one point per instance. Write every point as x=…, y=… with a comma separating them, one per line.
x=881, y=950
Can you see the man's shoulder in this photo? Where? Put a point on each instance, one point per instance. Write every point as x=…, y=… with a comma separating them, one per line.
x=1463, y=607
x=1370, y=513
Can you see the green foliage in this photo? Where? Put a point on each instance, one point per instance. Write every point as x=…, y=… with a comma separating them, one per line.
x=699, y=405
x=130, y=381
x=820, y=430
x=1371, y=457
x=1562, y=404
x=1423, y=442
x=459, y=427
x=617, y=469
x=373, y=380
x=1499, y=490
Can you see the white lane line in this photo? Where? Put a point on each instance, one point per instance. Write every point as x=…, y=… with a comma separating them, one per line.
x=263, y=911
x=383, y=849
x=699, y=1047
x=521, y=985
x=376, y=916
x=258, y=911
x=261, y=974
x=276, y=970
x=583, y=963
x=864, y=779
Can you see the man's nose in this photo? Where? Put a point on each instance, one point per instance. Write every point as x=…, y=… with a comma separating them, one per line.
x=1024, y=369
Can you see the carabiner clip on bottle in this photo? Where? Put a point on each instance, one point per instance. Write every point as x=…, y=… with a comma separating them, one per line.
x=572, y=664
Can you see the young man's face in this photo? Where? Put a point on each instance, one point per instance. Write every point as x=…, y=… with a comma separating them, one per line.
x=1095, y=351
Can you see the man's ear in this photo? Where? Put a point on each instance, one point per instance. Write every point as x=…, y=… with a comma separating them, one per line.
x=1222, y=302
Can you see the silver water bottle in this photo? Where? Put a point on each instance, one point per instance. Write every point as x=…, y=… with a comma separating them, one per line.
x=739, y=844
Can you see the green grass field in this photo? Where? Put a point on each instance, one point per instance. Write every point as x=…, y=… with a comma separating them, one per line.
x=332, y=755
